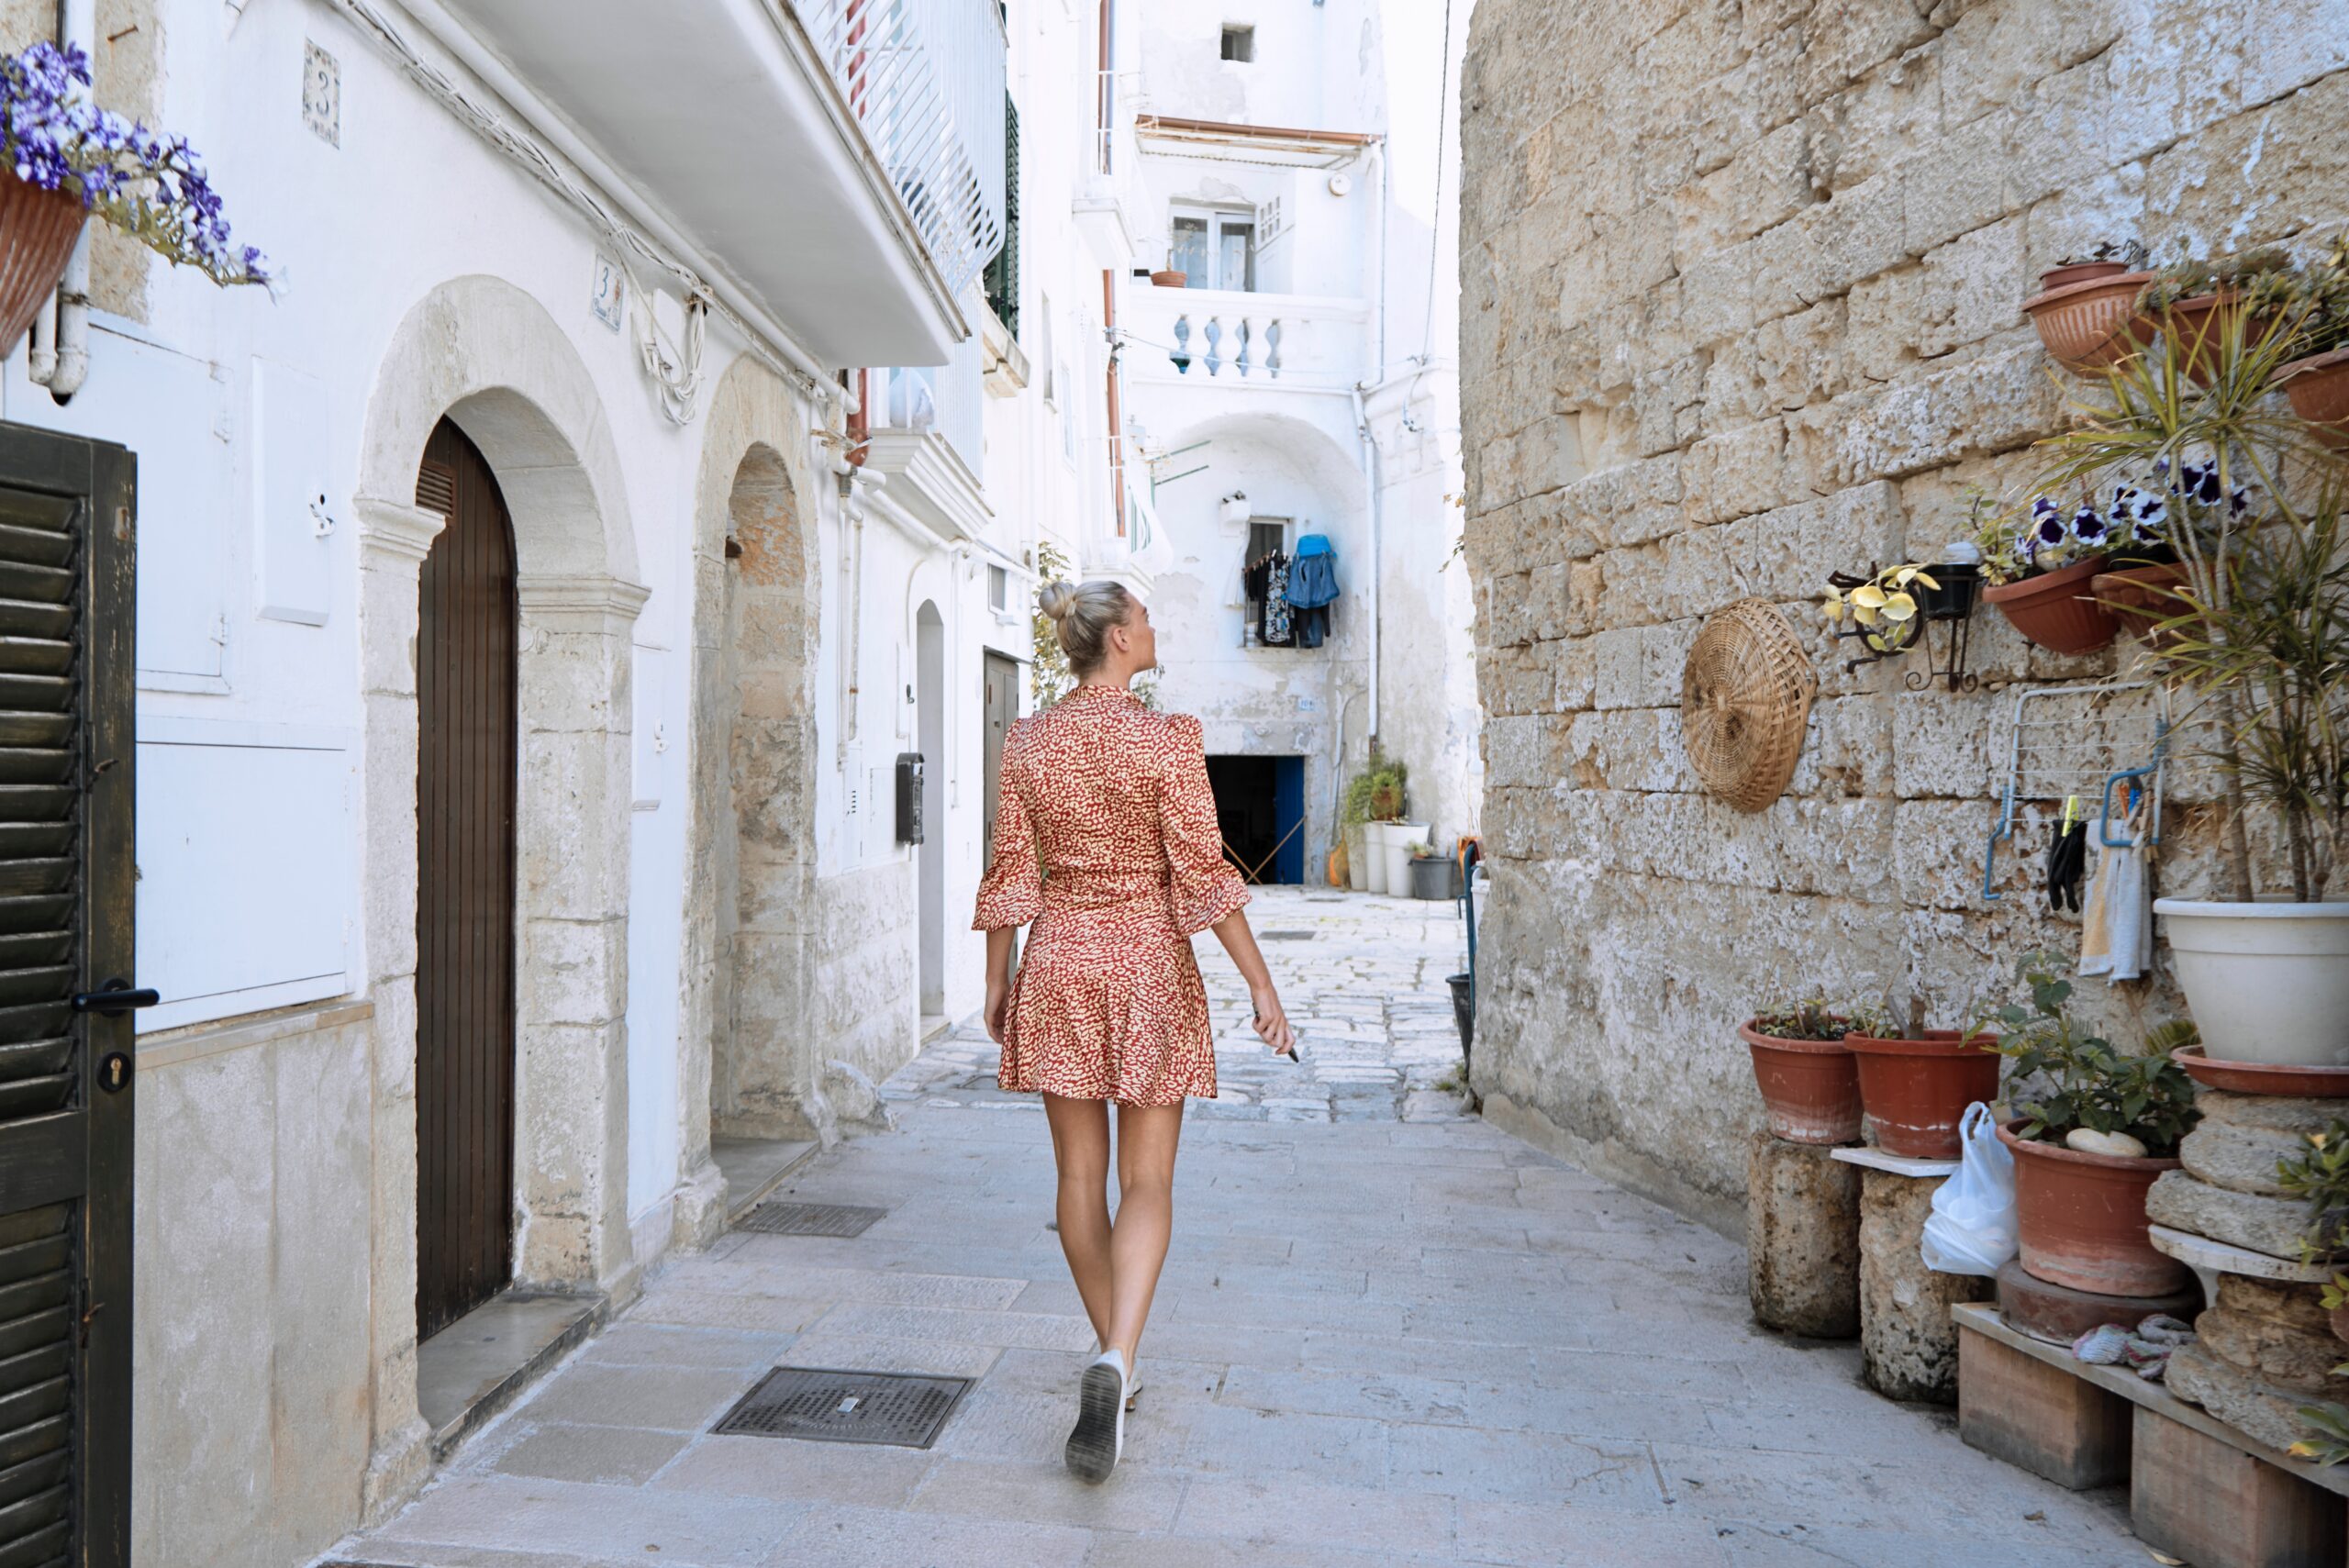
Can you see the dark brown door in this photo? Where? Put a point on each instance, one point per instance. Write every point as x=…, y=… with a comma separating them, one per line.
x=67, y=548
x=465, y=771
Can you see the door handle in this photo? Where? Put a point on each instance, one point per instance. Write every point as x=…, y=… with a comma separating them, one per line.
x=115, y=999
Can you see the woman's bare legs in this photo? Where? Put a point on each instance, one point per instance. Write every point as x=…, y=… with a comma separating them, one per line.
x=1147, y=1136
x=1081, y=1147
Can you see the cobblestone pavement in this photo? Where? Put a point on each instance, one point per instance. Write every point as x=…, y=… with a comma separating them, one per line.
x=1388, y=1333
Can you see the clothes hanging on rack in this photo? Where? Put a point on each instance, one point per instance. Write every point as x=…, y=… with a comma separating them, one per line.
x=2067, y=859
x=1313, y=588
x=1265, y=581
x=2116, y=926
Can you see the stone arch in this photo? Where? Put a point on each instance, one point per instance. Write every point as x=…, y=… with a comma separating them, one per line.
x=485, y=354
x=748, y=1067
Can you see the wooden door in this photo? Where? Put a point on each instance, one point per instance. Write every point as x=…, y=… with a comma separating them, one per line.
x=67, y=548
x=465, y=771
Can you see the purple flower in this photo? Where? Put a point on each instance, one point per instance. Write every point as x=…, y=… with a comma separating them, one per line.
x=2088, y=527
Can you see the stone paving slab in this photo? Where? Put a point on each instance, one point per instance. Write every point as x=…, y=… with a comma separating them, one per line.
x=1389, y=1334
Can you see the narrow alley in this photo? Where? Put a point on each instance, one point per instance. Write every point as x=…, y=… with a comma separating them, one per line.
x=1388, y=1333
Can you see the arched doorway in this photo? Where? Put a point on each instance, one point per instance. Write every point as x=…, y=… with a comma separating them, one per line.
x=930, y=739
x=466, y=769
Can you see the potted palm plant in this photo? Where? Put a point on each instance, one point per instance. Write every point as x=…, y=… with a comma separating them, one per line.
x=2258, y=641
x=62, y=159
x=2094, y=1128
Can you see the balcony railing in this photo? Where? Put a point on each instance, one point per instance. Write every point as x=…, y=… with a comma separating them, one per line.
x=1229, y=336
x=925, y=78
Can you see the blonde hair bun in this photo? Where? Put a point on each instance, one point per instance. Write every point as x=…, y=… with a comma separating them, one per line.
x=1056, y=599
x=1083, y=615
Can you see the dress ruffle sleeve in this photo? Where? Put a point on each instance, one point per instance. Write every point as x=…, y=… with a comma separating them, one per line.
x=1012, y=893
x=1203, y=887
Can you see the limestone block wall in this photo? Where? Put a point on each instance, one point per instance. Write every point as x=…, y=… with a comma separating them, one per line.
x=1740, y=306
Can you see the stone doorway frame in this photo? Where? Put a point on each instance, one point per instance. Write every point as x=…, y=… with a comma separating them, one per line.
x=487, y=355
x=757, y=486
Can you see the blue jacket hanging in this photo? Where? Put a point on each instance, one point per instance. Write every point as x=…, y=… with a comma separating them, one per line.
x=1313, y=580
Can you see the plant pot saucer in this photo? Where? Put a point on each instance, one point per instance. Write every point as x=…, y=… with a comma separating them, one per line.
x=2263, y=1077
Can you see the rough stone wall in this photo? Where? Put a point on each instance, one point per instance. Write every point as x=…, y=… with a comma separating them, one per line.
x=1740, y=288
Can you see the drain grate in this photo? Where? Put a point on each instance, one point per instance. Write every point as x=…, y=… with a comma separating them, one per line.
x=901, y=1410
x=809, y=1219
x=1284, y=936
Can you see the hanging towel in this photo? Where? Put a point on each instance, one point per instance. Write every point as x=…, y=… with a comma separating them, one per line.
x=1313, y=580
x=2117, y=926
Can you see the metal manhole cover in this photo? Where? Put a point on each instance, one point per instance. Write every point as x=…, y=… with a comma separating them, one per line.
x=809, y=1219
x=1284, y=936
x=901, y=1410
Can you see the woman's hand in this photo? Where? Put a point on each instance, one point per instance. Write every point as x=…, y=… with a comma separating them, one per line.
x=998, y=1009
x=1271, y=1021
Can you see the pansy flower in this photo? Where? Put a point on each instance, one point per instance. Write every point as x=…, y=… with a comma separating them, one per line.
x=2088, y=526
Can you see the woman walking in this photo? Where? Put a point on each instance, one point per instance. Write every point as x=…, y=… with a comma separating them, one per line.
x=1106, y=838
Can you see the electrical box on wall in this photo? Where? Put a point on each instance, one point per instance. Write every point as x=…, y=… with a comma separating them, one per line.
x=909, y=797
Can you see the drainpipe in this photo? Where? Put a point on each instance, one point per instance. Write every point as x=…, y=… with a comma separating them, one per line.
x=1377, y=507
x=62, y=336
x=1117, y=424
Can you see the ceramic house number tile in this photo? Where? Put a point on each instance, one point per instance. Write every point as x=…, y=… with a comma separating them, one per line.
x=321, y=94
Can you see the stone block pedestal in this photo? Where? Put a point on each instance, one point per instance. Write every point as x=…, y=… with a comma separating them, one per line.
x=1908, y=1339
x=1802, y=1238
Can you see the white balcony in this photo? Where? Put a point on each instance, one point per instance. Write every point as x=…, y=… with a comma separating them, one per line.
x=1229, y=339
x=840, y=161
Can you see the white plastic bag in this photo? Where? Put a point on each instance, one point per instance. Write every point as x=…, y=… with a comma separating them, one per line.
x=1972, y=1228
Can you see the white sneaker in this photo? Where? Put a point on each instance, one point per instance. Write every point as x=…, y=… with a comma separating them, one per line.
x=1099, y=1437
x=1134, y=1381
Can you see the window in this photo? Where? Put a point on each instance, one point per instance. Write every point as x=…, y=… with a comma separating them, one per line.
x=998, y=589
x=1216, y=248
x=1044, y=351
x=1239, y=44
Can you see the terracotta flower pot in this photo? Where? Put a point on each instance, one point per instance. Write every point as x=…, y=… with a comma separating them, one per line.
x=2079, y=273
x=1916, y=1091
x=2136, y=597
x=1171, y=279
x=2080, y=1219
x=37, y=229
x=2319, y=388
x=2091, y=323
x=1811, y=1088
x=2057, y=610
x=2200, y=327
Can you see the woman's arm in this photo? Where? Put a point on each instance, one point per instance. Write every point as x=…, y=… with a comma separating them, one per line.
x=1271, y=1022
x=998, y=979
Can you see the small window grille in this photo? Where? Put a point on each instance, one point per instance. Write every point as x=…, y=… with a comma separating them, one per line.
x=1239, y=44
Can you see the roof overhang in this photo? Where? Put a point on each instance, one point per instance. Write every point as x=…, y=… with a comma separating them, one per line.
x=1228, y=138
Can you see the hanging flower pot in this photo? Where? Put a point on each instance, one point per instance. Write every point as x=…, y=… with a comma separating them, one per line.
x=1916, y=1091
x=2078, y=273
x=1170, y=279
x=2057, y=610
x=2318, y=389
x=2091, y=322
x=2140, y=597
x=37, y=229
x=2201, y=328
x=1811, y=1088
x=2080, y=1219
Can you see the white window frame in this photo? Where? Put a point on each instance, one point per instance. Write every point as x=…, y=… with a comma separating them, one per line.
x=1214, y=218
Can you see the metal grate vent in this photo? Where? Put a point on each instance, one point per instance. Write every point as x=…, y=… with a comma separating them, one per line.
x=809, y=1219
x=901, y=1410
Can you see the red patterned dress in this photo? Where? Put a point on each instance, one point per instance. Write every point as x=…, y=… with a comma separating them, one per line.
x=1105, y=837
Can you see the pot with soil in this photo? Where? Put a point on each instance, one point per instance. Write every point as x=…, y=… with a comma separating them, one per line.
x=1916, y=1091
x=2080, y=1219
x=2057, y=610
x=1811, y=1088
x=2317, y=387
x=2091, y=322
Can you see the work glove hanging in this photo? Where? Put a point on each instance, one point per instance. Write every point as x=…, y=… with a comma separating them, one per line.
x=2068, y=861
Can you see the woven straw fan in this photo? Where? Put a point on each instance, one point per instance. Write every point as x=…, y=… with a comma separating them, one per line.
x=1744, y=699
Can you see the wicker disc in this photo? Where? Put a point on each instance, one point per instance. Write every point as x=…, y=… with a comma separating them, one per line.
x=1744, y=698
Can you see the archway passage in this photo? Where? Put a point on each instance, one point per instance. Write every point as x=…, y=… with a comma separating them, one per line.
x=466, y=775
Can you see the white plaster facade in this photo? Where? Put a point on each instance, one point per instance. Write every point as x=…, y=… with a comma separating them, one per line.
x=728, y=636
x=1344, y=418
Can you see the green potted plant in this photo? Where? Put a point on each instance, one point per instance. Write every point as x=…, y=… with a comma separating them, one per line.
x=62, y=159
x=2097, y=1127
x=1808, y=1080
x=1374, y=801
x=2200, y=305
